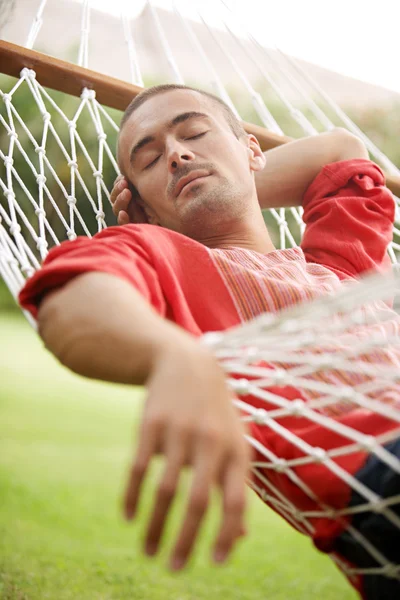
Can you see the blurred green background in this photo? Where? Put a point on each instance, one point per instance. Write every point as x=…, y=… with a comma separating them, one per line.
x=65, y=446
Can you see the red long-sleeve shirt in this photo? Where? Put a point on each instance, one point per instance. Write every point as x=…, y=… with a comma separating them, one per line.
x=348, y=213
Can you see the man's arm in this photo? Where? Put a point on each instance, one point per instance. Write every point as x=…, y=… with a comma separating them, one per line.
x=291, y=168
x=98, y=325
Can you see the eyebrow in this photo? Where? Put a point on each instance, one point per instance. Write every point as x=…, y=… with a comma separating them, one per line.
x=148, y=139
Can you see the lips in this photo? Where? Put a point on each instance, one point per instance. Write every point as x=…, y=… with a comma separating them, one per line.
x=188, y=178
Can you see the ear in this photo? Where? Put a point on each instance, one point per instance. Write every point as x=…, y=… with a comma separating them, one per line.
x=135, y=209
x=148, y=214
x=256, y=155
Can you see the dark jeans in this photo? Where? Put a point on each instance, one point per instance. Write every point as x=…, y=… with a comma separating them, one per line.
x=384, y=536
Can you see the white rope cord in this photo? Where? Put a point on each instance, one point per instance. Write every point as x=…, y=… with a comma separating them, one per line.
x=136, y=75
x=295, y=113
x=302, y=320
x=317, y=111
x=177, y=77
x=373, y=149
x=36, y=25
x=267, y=55
x=83, y=55
x=215, y=80
x=11, y=274
x=258, y=103
x=13, y=214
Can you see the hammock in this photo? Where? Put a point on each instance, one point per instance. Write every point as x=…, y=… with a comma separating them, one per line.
x=58, y=125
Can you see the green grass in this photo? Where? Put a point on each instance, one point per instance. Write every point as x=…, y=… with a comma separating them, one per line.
x=65, y=444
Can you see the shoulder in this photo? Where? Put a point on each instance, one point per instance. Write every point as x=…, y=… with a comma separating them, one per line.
x=157, y=242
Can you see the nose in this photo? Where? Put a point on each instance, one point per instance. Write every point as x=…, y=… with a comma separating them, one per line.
x=178, y=156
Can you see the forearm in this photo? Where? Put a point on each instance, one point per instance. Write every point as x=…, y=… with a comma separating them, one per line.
x=99, y=326
x=292, y=167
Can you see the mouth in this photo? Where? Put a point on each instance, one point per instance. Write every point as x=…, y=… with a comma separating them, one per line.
x=190, y=178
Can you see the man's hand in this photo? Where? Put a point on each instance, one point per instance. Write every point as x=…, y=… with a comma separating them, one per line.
x=190, y=418
x=125, y=208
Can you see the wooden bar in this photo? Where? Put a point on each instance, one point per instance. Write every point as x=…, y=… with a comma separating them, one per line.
x=66, y=77
x=69, y=78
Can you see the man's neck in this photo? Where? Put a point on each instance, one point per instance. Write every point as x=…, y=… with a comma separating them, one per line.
x=250, y=236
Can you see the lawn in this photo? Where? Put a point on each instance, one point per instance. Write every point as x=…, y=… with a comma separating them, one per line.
x=65, y=444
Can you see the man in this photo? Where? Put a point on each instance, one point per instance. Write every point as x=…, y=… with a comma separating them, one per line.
x=128, y=305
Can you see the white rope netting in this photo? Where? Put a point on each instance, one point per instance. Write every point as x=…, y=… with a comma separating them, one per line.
x=339, y=356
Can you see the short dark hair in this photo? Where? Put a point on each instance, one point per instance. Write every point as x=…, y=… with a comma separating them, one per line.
x=233, y=122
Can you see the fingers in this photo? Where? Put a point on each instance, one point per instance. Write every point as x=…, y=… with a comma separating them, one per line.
x=206, y=466
x=175, y=457
x=234, y=506
x=123, y=218
x=124, y=208
x=119, y=184
x=148, y=442
x=120, y=198
x=121, y=201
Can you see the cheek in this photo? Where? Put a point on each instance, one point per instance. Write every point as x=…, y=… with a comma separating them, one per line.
x=151, y=187
x=228, y=156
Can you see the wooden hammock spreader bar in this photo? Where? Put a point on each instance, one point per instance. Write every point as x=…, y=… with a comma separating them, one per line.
x=66, y=77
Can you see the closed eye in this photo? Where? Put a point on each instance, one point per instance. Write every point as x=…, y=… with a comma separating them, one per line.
x=153, y=162
x=198, y=135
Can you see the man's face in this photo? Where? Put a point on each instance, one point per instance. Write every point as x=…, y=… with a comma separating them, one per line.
x=190, y=171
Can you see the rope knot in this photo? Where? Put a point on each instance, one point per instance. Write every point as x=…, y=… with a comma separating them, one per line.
x=42, y=245
x=28, y=73
x=41, y=179
x=8, y=161
x=279, y=376
x=71, y=201
x=241, y=386
x=297, y=407
x=391, y=571
x=260, y=416
x=15, y=228
x=369, y=443
x=280, y=465
x=319, y=455
x=9, y=194
x=88, y=94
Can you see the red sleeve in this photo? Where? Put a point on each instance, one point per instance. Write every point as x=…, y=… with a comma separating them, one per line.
x=117, y=250
x=349, y=216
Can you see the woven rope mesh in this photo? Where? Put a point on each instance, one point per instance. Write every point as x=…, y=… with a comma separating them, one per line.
x=327, y=370
x=318, y=367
